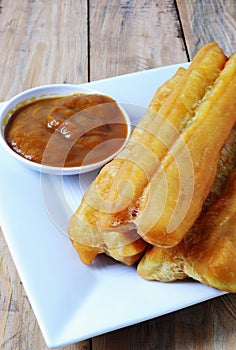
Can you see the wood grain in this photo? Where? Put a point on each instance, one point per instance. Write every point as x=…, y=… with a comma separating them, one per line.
x=76, y=40
x=42, y=43
x=206, y=326
x=133, y=35
x=207, y=21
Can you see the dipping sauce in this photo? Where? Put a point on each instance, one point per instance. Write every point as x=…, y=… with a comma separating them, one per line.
x=68, y=131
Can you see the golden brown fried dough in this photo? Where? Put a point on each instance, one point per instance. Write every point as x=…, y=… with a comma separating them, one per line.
x=83, y=230
x=175, y=191
x=167, y=264
x=163, y=264
x=104, y=219
x=212, y=258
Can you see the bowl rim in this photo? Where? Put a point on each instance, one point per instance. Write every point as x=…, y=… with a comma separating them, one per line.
x=51, y=90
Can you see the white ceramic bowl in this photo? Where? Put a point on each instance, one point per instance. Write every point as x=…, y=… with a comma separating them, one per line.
x=45, y=91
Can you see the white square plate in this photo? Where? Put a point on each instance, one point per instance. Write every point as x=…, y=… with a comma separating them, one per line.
x=72, y=301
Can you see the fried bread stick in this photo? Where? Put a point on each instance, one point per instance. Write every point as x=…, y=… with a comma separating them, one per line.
x=175, y=191
x=212, y=258
x=167, y=264
x=82, y=228
x=103, y=223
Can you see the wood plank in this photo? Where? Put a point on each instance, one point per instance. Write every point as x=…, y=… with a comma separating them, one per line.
x=210, y=325
x=41, y=43
x=207, y=21
x=133, y=35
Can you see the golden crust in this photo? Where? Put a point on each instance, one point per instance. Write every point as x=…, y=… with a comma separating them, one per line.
x=178, y=189
x=157, y=137
x=83, y=229
x=167, y=264
x=163, y=264
x=202, y=243
x=212, y=258
x=104, y=219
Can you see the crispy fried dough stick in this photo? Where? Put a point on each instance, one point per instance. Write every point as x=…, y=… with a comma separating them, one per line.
x=115, y=192
x=212, y=259
x=83, y=225
x=154, y=141
x=167, y=264
x=178, y=201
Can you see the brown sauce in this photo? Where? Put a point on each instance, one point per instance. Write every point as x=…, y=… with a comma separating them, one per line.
x=68, y=131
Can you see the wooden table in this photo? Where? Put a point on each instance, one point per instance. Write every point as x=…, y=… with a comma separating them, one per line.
x=75, y=41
